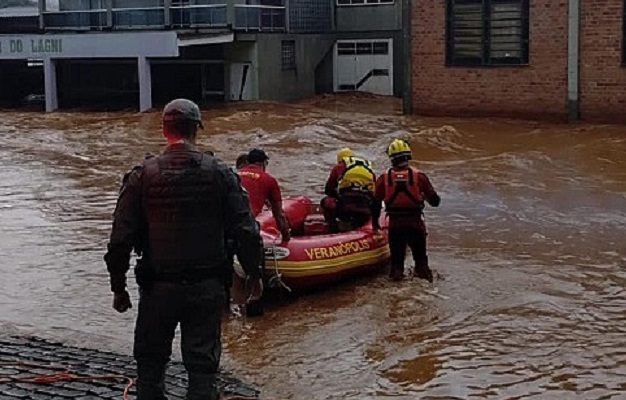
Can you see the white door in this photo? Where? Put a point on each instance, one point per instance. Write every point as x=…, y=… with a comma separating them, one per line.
x=364, y=65
x=240, y=81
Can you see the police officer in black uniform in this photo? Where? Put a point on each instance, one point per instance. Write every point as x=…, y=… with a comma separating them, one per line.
x=177, y=212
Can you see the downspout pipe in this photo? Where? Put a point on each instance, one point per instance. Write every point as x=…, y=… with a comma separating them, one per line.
x=407, y=92
x=109, y=7
x=573, y=60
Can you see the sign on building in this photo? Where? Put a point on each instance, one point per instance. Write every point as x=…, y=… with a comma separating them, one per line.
x=97, y=45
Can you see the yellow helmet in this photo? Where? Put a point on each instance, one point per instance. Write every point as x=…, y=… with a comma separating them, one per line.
x=343, y=153
x=399, y=148
x=358, y=175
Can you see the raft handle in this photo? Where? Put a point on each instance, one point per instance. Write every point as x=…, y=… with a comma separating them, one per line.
x=276, y=279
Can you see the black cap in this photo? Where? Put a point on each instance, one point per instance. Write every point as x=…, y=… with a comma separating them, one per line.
x=257, y=155
x=182, y=109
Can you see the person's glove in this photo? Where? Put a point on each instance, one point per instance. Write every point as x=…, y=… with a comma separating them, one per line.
x=286, y=235
x=121, y=301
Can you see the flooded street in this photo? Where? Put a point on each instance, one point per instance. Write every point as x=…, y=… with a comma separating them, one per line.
x=530, y=242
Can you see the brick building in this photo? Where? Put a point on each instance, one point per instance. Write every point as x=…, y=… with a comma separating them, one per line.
x=520, y=58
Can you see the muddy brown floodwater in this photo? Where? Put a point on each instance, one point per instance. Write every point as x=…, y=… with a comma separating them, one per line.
x=530, y=240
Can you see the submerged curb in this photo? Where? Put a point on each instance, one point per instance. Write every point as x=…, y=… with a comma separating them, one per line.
x=66, y=372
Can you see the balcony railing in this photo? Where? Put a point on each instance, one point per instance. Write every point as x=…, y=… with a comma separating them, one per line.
x=259, y=18
x=76, y=19
x=137, y=18
x=213, y=15
x=189, y=16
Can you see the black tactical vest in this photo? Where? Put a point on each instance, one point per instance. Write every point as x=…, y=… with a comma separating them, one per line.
x=182, y=199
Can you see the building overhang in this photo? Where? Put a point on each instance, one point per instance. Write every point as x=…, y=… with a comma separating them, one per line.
x=17, y=12
x=89, y=45
x=200, y=40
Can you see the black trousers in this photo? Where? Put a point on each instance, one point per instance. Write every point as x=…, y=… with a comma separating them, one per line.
x=355, y=209
x=197, y=307
x=415, y=238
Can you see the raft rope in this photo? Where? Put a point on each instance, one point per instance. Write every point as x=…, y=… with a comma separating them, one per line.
x=277, y=278
x=62, y=375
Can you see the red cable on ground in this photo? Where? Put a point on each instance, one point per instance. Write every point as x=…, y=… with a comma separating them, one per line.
x=67, y=376
x=64, y=376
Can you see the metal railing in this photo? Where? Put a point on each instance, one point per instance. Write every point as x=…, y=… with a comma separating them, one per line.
x=76, y=19
x=188, y=16
x=259, y=18
x=138, y=18
x=210, y=15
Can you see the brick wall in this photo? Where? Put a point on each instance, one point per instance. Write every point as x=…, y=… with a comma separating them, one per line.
x=602, y=74
x=535, y=91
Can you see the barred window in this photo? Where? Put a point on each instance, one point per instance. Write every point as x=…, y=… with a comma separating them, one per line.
x=487, y=32
x=363, y=2
x=288, y=54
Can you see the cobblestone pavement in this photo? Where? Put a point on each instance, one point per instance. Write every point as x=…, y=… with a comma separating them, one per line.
x=29, y=357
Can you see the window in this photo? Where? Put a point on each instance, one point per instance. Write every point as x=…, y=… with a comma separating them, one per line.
x=349, y=48
x=288, y=54
x=363, y=2
x=487, y=32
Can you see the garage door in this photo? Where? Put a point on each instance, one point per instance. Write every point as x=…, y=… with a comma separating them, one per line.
x=364, y=65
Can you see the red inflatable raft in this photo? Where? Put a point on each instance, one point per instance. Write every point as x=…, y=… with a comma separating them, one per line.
x=313, y=257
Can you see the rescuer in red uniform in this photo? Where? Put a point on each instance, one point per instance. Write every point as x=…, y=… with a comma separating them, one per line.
x=404, y=189
x=263, y=188
x=331, y=190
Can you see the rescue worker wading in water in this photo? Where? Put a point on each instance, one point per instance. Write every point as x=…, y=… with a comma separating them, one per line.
x=262, y=189
x=404, y=189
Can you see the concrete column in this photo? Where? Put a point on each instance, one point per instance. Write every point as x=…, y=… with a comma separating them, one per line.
x=230, y=13
x=50, y=84
x=145, y=84
x=573, y=59
x=407, y=84
x=167, y=4
x=42, y=9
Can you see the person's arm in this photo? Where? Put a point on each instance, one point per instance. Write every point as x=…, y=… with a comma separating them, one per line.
x=429, y=193
x=276, y=202
x=331, y=183
x=376, y=207
x=125, y=236
x=240, y=225
x=281, y=221
x=379, y=188
x=379, y=196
